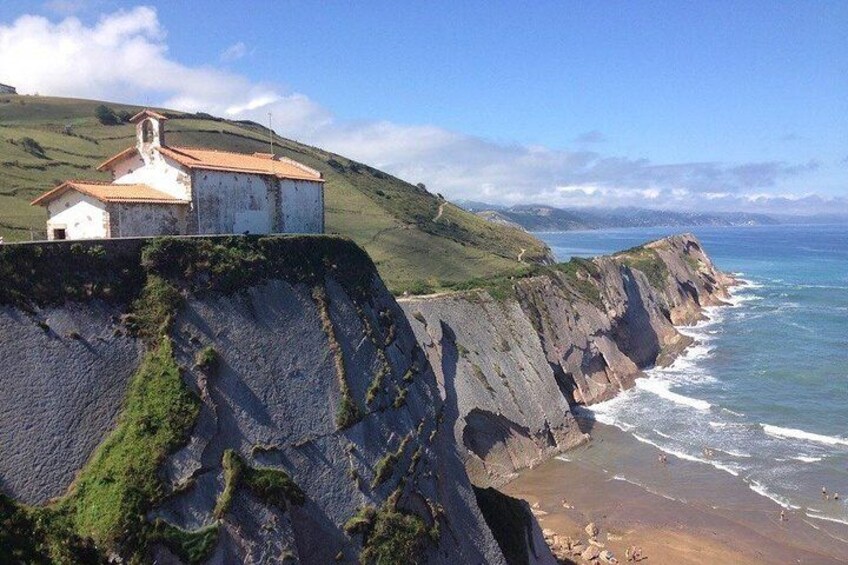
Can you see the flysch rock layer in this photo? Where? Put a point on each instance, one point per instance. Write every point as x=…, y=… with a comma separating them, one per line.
x=273, y=400
x=63, y=375
x=512, y=369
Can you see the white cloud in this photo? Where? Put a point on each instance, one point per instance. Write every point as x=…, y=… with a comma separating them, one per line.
x=234, y=52
x=124, y=57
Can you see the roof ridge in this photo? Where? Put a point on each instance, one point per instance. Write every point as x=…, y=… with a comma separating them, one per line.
x=85, y=181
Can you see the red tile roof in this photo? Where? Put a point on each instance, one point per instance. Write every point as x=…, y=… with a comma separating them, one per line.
x=147, y=113
x=124, y=193
x=257, y=163
x=214, y=160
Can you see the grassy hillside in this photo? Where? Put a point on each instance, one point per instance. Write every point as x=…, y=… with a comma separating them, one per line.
x=414, y=246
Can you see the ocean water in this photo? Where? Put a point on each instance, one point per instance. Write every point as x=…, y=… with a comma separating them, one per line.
x=765, y=387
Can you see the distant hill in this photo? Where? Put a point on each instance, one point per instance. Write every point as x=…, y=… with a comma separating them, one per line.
x=548, y=218
x=415, y=238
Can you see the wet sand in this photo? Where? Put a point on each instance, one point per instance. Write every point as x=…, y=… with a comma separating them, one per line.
x=695, y=514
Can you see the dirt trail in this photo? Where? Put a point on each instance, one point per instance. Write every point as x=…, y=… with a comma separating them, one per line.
x=441, y=211
x=521, y=255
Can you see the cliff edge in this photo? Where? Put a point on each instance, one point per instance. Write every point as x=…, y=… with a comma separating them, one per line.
x=513, y=357
x=220, y=400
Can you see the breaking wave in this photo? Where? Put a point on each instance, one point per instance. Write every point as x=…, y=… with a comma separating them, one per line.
x=791, y=433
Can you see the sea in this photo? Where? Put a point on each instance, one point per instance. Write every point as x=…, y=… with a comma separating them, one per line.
x=762, y=395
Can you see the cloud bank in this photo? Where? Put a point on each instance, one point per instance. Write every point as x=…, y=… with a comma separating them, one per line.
x=124, y=56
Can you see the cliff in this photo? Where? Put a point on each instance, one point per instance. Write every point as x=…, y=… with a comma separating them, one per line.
x=227, y=400
x=513, y=358
x=254, y=399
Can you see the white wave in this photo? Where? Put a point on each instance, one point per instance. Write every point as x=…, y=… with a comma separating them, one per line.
x=661, y=389
x=748, y=283
x=685, y=456
x=735, y=453
x=718, y=425
x=563, y=458
x=656, y=431
x=726, y=468
x=729, y=411
x=640, y=485
x=827, y=518
x=763, y=491
x=806, y=458
x=791, y=433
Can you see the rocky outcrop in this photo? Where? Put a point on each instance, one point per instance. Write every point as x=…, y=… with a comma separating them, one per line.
x=574, y=334
x=317, y=432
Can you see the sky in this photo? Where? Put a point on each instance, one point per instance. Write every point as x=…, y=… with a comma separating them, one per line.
x=720, y=105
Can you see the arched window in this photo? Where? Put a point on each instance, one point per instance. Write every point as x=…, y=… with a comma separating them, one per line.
x=147, y=131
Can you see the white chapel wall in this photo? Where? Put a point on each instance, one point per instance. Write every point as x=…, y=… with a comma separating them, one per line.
x=302, y=206
x=81, y=216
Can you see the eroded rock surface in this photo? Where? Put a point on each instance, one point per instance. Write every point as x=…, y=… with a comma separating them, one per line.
x=510, y=370
x=63, y=375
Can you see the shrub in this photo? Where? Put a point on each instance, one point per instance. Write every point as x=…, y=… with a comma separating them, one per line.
x=384, y=468
x=106, y=115
x=395, y=537
x=32, y=147
x=207, y=359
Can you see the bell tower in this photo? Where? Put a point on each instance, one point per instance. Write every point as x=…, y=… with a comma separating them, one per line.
x=149, y=130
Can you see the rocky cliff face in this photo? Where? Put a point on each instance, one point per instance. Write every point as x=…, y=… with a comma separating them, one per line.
x=511, y=368
x=253, y=399
x=219, y=400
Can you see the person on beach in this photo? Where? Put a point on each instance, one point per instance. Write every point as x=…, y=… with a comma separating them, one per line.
x=628, y=553
x=824, y=493
x=836, y=496
x=782, y=515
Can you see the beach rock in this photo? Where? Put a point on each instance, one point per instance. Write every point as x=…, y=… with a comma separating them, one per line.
x=578, y=548
x=608, y=557
x=548, y=533
x=590, y=553
x=592, y=529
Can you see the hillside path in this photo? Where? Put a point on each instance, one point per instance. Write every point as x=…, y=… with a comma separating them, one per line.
x=441, y=211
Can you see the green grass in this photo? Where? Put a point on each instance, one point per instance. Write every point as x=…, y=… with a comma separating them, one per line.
x=111, y=495
x=271, y=486
x=392, y=219
x=192, y=547
x=207, y=359
x=233, y=468
x=389, y=535
x=649, y=262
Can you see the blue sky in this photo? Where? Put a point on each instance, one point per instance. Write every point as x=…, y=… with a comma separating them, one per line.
x=688, y=105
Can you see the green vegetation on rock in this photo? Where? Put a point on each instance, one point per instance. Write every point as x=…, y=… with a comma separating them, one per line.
x=347, y=413
x=648, y=261
x=233, y=468
x=113, y=492
x=389, y=535
x=192, y=547
x=271, y=486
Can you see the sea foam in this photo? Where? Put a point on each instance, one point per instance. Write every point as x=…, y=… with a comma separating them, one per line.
x=661, y=389
x=791, y=433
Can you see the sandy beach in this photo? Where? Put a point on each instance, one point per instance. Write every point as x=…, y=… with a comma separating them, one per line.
x=691, y=512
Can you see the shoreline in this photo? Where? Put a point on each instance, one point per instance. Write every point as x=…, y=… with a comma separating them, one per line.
x=699, y=516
